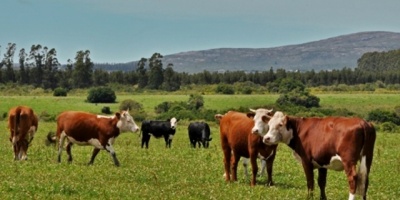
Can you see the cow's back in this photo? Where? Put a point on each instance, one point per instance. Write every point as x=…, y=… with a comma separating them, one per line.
x=21, y=119
x=235, y=128
x=81, y=124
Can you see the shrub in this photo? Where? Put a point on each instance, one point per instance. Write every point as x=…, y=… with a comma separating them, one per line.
x=298, y=99
x=195, y=102
x=224, y=89
x=135, y=109
x=388, y=127
x=383, y=116
x=106, y=110
x=60, y=92
x=101, y=95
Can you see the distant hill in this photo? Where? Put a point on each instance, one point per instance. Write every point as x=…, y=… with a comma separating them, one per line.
x=327, y=54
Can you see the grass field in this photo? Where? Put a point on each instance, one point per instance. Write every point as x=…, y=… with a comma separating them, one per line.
x=180, y=172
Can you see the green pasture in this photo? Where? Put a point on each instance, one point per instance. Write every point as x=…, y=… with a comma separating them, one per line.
x=180, y=172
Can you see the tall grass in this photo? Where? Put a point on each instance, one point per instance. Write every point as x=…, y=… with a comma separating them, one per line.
x=159, y=173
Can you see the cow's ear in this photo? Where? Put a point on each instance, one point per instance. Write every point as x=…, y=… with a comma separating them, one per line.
x=265, y=118
x=118, y=115
x=218, y=116
x=251, y=115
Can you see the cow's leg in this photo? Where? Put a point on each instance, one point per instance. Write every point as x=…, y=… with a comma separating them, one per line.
x=270, y=163
x=68, y=148
x=60, y=145
x=94, y=154
x=235, y=160
x=254, y=167
x=322, y=172
x=308, y=170
x=109, y=148
x=145, y=139
x=23, y=148
x=16, y=151
x=227, y=161
x=351, y=173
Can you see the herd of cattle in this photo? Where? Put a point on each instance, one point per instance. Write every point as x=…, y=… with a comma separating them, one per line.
x=336, y=143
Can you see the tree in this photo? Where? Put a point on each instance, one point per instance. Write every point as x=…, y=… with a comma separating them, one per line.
x=156, y=77
x=65, y=77
x=171, y=79
x=83, y=71
x=141, y=70
x=8, y=62
x=36, y=56
x=23, y=72
x=100, y=77
x=50, y=69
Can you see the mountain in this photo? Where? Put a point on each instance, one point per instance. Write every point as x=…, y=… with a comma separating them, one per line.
x=327, y=54
x=332, y=53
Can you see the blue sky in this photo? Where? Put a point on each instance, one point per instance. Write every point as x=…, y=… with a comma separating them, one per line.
x=126, y=30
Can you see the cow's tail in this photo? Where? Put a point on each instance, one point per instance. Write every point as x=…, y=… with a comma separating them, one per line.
x=51, y=138
x=16, y=128
x=366, y=159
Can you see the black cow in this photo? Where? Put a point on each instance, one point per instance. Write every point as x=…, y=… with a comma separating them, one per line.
x=199, y=132
x=158, y=129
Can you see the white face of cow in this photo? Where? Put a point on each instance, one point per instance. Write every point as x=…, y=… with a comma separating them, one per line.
x=277, y=130
x=261, y=118
x=174, y=123
x=126, y=122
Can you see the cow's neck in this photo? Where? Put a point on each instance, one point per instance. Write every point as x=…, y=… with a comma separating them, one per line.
x=292, y=124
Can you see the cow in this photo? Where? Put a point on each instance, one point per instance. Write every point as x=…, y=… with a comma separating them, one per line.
x=84, y=128
x=22, y=124
x=336, y=143
x=199, y=132
x=158, y=129
x=237, y=141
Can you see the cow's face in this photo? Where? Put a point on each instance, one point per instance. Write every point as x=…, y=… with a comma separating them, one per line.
x=126, y=122
x=174, y=122
x=278, y=131
x=261, y=117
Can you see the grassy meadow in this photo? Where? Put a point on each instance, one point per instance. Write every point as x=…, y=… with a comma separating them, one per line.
x=180, y=172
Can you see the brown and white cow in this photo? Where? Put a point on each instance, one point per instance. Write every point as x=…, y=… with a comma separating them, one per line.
x=89, y=129
x=336, y=143
x=237, y=141
x=23, y=124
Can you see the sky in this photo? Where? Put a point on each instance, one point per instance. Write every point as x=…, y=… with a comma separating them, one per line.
x=119, y=31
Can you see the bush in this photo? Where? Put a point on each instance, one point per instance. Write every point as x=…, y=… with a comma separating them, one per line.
x=106, y=110
x=388, y=127
x=383, y=116
x=135, y=109
x=224, y=89
x=60, y=92
x=298, y=99
x=101, y=95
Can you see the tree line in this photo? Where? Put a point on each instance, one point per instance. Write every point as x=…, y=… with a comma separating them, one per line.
x=40, y=67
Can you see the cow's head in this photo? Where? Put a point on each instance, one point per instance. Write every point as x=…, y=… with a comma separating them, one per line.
x=174, y=122
x=278, y=131
x=126, y=122
x=261, y=117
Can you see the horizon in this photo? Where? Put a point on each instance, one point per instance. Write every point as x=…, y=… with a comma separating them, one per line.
x=125, y=31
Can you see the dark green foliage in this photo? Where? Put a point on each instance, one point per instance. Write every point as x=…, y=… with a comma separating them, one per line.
x=294, y=92
x=135, y=109
x=195, y=102
x=45, y=116
x=383, y=116
x=190, y=110
x=224, y=89
x=60, y=92
x=106, y=110
x=101, y=95
x=388, y=127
